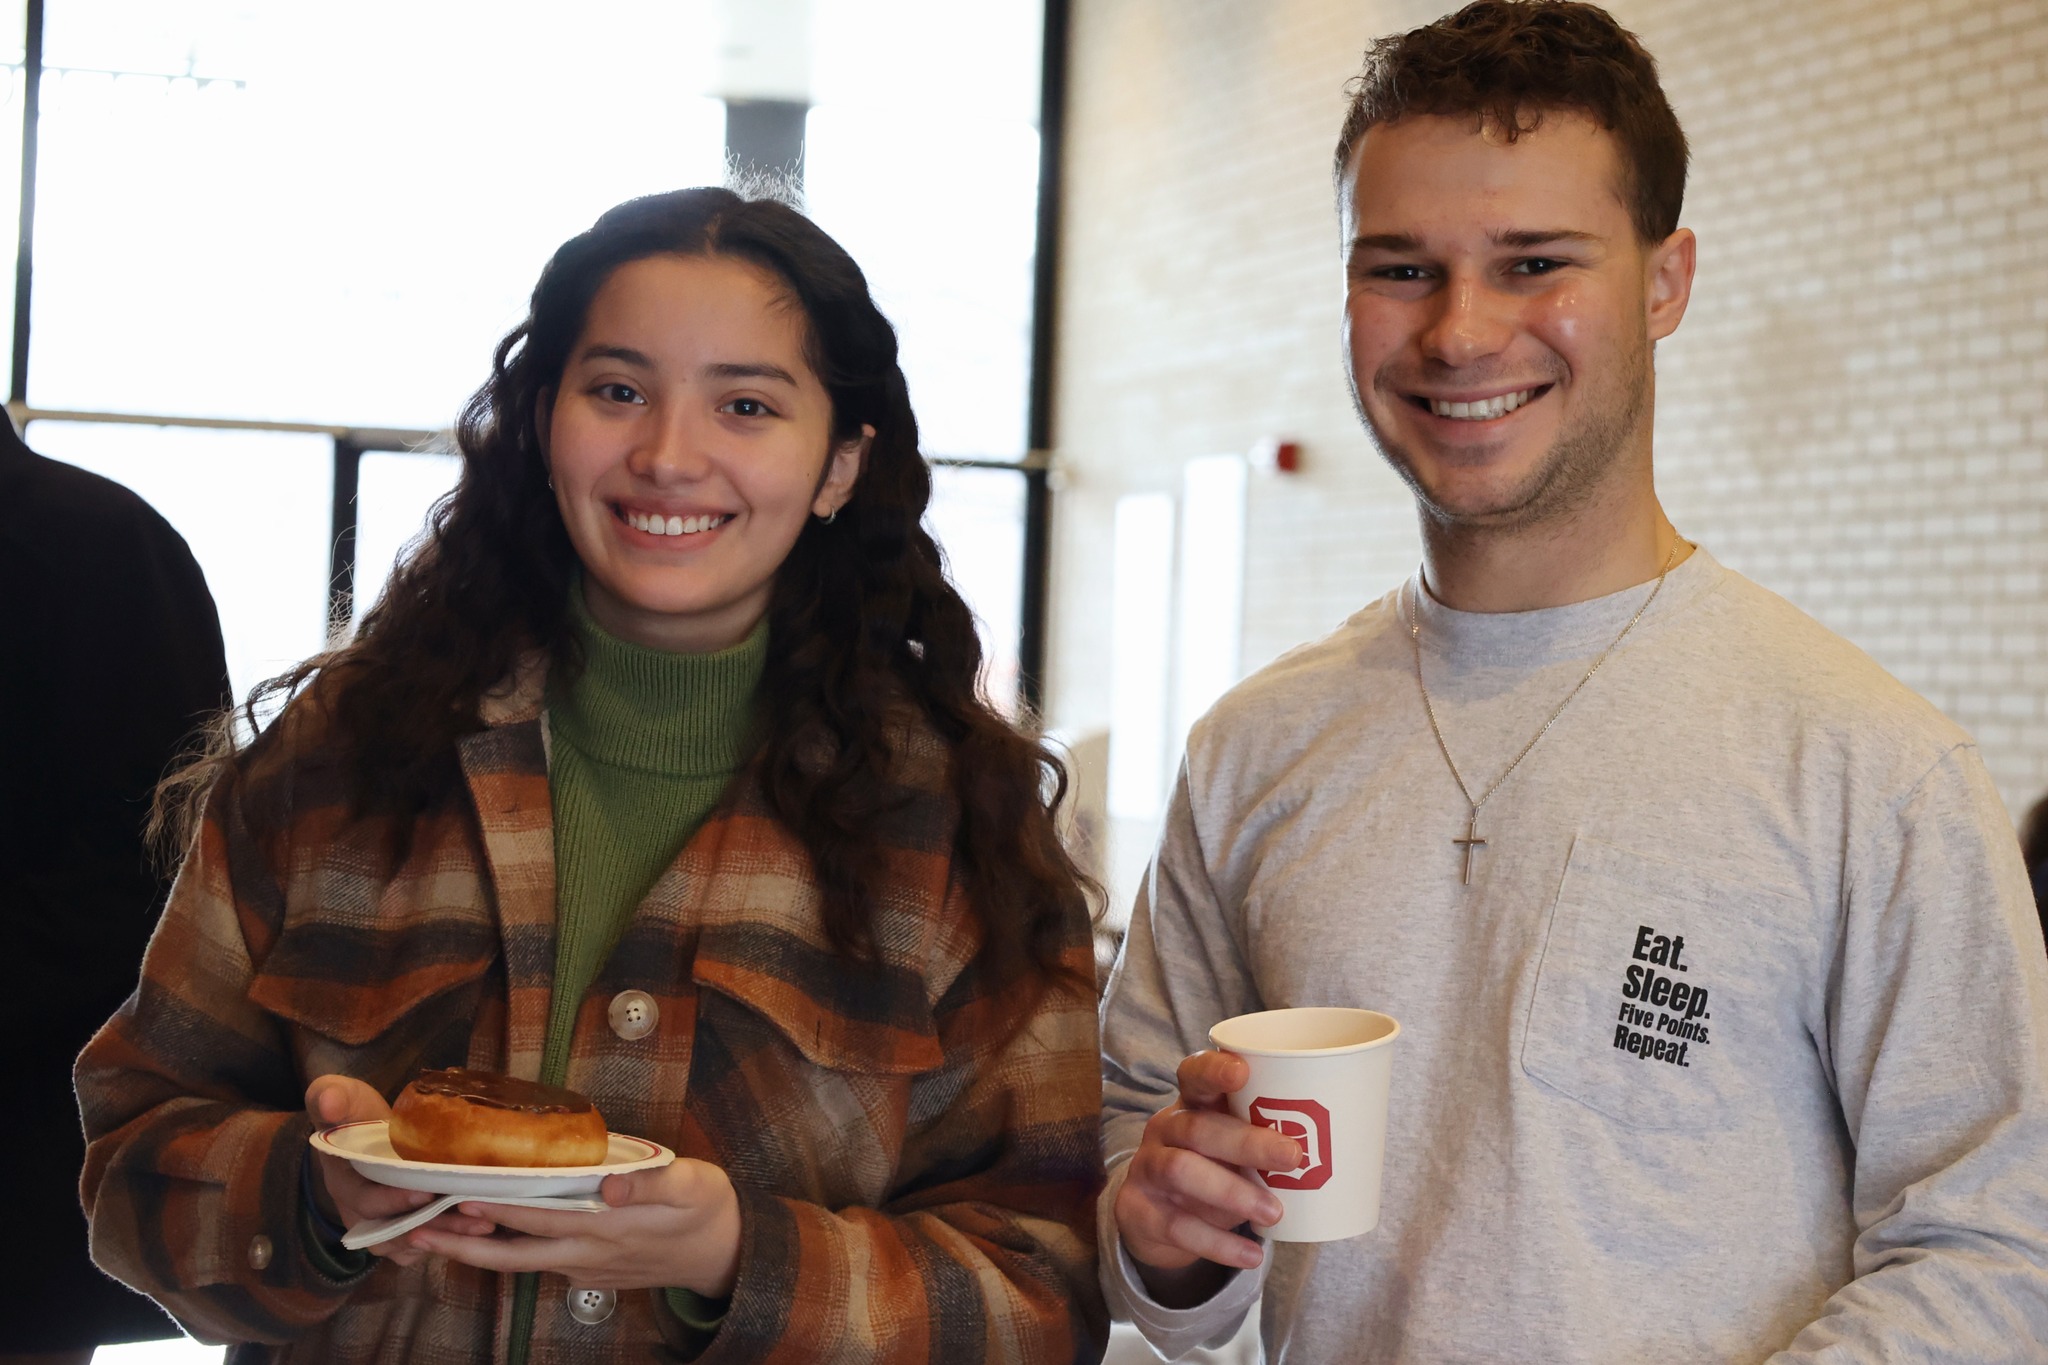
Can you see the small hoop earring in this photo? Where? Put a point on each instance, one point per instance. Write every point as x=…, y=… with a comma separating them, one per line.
x=830, y=516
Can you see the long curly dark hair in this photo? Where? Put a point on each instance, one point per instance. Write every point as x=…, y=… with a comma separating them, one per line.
x=863, y=625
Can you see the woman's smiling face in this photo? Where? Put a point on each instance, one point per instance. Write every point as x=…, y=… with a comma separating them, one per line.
x=689, y=441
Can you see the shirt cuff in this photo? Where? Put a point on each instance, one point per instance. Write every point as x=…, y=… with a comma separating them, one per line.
x=322, y=1236
x=697, y=1312
x=1173, y=1332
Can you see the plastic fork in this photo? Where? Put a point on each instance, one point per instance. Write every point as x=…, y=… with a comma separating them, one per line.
x=371, y=1231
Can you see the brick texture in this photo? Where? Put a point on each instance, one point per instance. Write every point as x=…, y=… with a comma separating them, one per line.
x=1855, y=412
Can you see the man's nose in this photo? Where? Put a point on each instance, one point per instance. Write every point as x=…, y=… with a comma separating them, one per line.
x=675, y=449
x=1471, y=322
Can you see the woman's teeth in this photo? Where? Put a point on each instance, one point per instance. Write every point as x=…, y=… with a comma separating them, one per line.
x=673, y=526
x=1485, y=410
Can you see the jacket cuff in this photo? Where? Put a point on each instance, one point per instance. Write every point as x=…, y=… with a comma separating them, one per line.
x=248, y=1271
x=756, y=1315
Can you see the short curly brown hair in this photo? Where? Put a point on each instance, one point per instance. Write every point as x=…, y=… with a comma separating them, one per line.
x=1507, y=62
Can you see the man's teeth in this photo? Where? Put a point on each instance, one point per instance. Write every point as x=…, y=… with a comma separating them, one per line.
x=1485, y=410
x=674, y=526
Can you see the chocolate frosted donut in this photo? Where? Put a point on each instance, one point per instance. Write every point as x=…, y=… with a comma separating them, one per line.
x=472, y=1118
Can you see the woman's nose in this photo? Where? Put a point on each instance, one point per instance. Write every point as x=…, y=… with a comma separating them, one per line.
x=676, y=448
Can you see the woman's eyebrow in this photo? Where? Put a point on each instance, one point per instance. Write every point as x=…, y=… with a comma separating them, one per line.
x=624, y=354
x=758, y=369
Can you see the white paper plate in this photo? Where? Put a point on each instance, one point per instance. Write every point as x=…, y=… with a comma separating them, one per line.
x=366, y=1146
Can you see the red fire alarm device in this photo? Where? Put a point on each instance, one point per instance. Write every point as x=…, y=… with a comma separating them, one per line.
x=1282, y=457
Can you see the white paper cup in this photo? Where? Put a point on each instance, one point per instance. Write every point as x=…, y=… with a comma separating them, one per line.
x=1319, y=1076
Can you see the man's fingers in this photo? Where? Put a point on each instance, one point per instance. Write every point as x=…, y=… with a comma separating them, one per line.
x=1227, y=1139
x=1207, y=1077
x=1192, y=1233
x=1215, y=1192
x=1167, y=1230
x=1187, y=1188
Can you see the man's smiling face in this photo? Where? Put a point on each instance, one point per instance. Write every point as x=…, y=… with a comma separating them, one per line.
x=1499, y=313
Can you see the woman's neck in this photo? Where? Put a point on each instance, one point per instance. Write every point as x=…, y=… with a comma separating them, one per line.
x=693, y=632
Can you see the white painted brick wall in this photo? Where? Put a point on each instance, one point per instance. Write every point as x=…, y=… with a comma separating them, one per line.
x=1855, y=413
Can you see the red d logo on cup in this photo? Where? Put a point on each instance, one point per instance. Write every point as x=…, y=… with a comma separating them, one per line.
x=1308, y=1123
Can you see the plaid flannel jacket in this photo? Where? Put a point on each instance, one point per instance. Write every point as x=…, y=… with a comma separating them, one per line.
x=916, y=1177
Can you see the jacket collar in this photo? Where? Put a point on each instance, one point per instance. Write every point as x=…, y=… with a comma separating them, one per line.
x=744, y=883
x=506, y=767
x=521, y=696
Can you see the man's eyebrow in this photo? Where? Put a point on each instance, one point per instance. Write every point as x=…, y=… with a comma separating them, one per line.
x=1518, y=238
x=1528, y=237
x=1386, y=241
x=759, y=369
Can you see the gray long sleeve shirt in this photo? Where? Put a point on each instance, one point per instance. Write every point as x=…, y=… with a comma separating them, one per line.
x=1734, y=1049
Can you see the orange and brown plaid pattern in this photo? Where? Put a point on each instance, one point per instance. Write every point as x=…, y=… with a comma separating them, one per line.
x=917, y=1175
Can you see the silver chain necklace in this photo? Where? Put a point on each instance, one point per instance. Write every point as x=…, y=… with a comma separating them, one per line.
x=1472, y=843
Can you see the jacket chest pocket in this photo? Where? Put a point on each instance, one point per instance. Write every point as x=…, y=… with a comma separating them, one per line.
x=805, y=1099
x=381, y=979
x=1666, y=996
x=825, y=1131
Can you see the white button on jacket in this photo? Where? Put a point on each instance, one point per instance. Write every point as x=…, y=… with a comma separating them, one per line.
x=634, y=1015
x=591, y=1305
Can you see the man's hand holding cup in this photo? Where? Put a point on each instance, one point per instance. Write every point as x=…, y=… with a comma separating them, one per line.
x=1286, y=1120
x=1187, y=1188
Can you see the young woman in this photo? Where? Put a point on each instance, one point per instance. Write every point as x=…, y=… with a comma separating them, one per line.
x=660, y=773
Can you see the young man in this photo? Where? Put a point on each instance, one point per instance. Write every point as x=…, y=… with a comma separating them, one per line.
x=1724, y=1009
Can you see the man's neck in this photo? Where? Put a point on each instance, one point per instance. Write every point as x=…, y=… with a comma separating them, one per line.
x=1599, y=551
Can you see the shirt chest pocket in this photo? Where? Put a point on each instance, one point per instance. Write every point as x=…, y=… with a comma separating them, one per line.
x=1666, y=997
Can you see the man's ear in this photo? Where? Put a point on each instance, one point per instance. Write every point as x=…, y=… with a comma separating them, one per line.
x=842, y=471
x=1668, y=269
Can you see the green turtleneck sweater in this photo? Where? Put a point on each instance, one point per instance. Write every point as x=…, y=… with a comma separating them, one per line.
x=642, y=744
